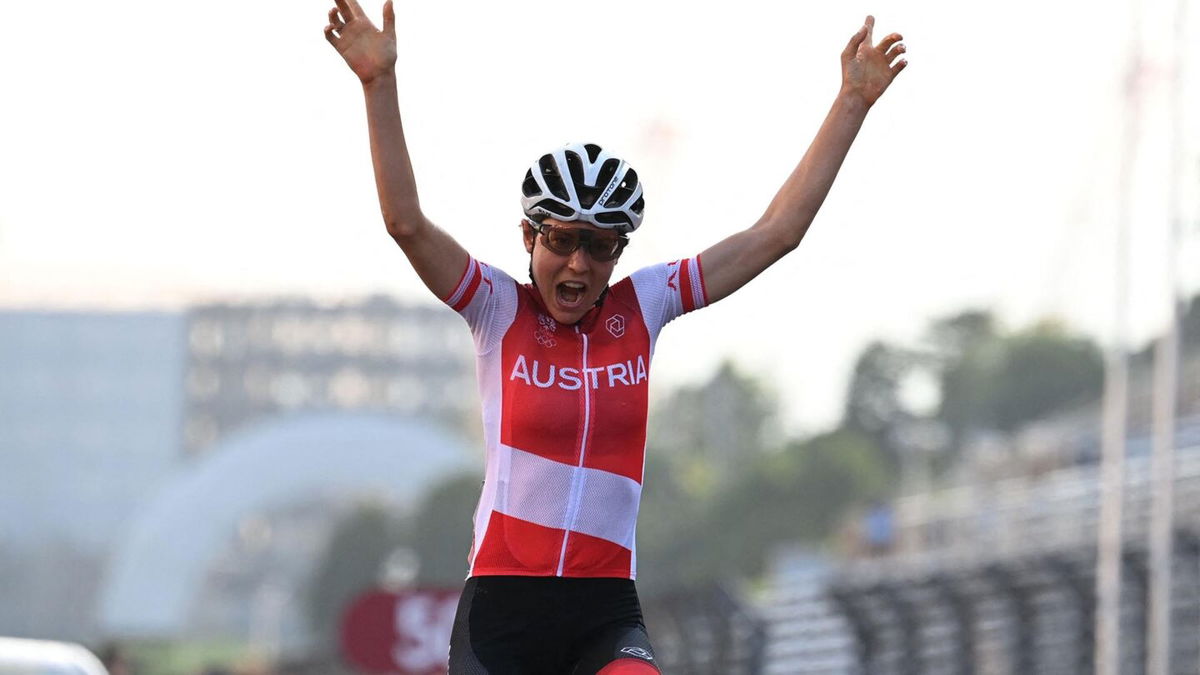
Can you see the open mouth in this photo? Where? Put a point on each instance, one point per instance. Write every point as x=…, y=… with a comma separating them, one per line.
x=570, y=294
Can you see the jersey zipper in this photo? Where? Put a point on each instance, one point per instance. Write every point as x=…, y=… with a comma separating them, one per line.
x=577, y=480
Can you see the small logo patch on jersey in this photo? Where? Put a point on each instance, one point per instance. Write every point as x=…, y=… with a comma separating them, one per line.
x=544, y=334
x=638, y=652
x=673, y=275
x=616, y=325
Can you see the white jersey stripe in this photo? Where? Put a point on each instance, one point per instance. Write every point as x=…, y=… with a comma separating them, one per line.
x=533, y=488
x=699, y=297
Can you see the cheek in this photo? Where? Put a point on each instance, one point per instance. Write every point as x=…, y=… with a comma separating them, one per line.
x=604, y=273
x=543, y=266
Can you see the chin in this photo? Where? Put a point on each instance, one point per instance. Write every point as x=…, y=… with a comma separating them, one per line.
x=568, y=319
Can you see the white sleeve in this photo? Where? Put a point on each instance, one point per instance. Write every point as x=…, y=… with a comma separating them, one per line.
x=487, y=298
x=669, y=290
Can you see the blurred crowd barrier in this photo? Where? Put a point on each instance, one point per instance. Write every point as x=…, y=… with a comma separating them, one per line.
x=997, y=578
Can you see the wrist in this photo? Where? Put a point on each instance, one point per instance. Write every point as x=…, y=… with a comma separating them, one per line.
x=852, y=102
x=385, y=79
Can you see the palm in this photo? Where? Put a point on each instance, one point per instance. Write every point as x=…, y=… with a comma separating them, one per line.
x=368, y=51
x=867, y=69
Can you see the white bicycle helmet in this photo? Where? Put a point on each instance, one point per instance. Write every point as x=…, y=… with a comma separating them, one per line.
x=580, y=181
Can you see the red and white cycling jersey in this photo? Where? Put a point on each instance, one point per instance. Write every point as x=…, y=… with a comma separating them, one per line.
x=564, y=418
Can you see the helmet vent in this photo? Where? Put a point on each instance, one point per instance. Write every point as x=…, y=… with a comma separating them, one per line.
x=530, y=186
x=557, y=208
x=593, y=151
x=587, y=193
x=613, y=218
x=624, y=191
x=603, y=178
x=553, y=180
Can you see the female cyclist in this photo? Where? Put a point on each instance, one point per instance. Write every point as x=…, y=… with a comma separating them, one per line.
x=563, y=363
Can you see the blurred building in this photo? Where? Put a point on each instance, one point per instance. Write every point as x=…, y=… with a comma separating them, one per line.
x=101, y=412
x=250, y=361
x=90, y=413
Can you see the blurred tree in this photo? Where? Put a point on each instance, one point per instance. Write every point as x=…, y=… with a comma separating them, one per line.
x=700, y=440
x=873, y=399
x=669, y=524
x=1045, y=370
x=800, y=494
x=797, y=494
x=441, y=531
x=352, y=563
x=1190, y=323
x=1189, y=334
x=709, y=430
x=953, y=336
x=1000, y=382
x=756, y=492
x=967, y=352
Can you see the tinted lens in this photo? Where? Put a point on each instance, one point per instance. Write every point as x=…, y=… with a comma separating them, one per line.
x=561, y=240
x=603, y=246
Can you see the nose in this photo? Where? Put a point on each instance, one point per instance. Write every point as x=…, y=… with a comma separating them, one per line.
x=579, y=260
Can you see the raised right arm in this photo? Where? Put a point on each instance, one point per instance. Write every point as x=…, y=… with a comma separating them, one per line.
x=371, y=53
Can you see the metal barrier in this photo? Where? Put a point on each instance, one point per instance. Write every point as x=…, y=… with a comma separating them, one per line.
x=992, y=579
x=705, y=632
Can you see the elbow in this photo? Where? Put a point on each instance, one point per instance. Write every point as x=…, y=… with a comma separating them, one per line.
x=783, y=237
x=788, y=243
x=399, y=231
x=403, y=228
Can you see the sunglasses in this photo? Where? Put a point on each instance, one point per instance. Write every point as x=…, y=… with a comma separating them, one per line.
x=601, y=245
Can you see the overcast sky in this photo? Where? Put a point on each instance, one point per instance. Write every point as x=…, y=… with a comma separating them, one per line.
x=154, y=154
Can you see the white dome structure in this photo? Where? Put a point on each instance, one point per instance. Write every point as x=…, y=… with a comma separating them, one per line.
x=160, y=568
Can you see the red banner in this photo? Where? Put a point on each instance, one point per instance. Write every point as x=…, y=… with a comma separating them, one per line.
x=401, y=633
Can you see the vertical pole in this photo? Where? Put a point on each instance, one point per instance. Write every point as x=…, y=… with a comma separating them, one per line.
x=1166, y=386
x=1162, y=499
x=1112, y=477
x=1116, y=384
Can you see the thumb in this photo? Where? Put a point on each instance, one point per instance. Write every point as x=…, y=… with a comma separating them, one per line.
x=852, y=46
x=389, y=18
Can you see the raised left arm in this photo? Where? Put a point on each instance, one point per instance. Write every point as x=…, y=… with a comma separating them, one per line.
x=867, y=71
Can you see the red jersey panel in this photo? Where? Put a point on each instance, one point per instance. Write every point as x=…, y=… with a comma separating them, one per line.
x=564, y=413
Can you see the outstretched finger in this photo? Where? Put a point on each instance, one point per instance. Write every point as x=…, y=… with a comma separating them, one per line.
x=900, y=65
x=855, y=41
x=350, y=9
x=894, y=52
x=887, y=42
x=335, y=19
x=389, y=18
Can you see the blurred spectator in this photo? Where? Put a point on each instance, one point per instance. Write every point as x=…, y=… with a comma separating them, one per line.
x=879, y=529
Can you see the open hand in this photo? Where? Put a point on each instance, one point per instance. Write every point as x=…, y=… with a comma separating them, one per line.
x=867, y=68
x=368, y=51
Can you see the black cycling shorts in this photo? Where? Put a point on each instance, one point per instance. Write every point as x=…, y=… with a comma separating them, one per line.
x=546, y=625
